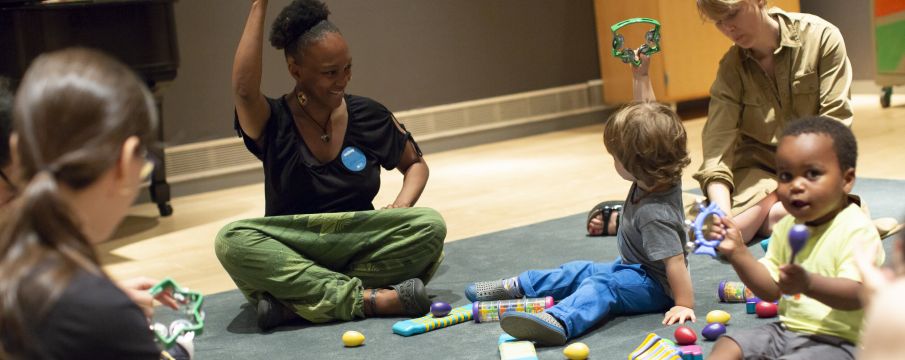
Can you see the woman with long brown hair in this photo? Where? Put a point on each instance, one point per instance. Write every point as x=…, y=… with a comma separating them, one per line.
x=83, y=123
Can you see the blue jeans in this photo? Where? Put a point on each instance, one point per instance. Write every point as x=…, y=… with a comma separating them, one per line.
x=588, y=292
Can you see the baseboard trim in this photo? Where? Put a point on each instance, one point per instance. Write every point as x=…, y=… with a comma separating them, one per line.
x=224, y=163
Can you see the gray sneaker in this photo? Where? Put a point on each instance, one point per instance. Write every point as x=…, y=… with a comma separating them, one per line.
x=413, y=296
x=503, y=289
x=542, y=328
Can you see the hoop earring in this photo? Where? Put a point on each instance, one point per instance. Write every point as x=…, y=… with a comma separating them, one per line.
x=303, y=99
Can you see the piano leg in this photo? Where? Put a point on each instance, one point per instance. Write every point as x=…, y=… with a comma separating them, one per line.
x=160, y=189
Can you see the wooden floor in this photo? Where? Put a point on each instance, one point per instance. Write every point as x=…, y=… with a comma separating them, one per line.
x=478, y=190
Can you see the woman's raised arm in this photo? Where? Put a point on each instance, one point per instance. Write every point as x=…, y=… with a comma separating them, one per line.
x=251, y=106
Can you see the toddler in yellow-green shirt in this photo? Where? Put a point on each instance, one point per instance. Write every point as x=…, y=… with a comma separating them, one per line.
x=820, y=311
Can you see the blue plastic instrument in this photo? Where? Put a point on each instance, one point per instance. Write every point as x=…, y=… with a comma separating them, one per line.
x=700, y=245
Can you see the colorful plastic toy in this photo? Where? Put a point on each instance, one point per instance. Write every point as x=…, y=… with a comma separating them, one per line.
x=765, y=309
x=353, y=338
x=718, y=316
x=440, y=309
x=513, y=349
x=651, y=41
x=798, y=237
x=654, y=348
x=189, y=305
x=685, y=336
x=691, y=352
x=429, y=322
x=751, y=305
x=487, y=311
x=713, y=331
x=733, y=291
x=577, y=351
x=700, y=245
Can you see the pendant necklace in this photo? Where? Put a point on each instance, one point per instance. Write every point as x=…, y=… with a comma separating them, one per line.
x=325, y=137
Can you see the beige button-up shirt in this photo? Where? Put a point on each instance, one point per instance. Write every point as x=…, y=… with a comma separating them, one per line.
x=749, y=110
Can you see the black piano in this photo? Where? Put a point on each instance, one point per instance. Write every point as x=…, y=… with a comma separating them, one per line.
x=140, y=33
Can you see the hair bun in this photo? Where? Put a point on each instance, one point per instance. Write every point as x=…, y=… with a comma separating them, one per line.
x=296, y=19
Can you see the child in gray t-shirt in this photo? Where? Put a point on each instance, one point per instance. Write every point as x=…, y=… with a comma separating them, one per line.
x=648, y=145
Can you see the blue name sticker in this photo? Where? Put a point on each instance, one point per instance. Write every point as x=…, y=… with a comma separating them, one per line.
x=354, y=159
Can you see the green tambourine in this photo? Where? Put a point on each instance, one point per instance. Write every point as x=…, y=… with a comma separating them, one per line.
x=650, y=47
x=189, y=304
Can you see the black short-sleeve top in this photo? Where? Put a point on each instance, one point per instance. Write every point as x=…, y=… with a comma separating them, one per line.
x=92, y=319
x=295, y=182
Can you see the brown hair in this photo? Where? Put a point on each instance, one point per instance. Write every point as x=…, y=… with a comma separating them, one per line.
x=6, y=121
x=719, y=9
x=74, y=110
x=649, y=140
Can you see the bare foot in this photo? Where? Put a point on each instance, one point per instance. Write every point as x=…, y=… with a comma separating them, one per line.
x=594, y=227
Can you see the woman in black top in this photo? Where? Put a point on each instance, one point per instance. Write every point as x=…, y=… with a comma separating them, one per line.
x=83, y=123
x=322, y=151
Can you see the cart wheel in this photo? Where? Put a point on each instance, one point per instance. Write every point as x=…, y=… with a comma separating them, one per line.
x=886, y=97
x=165, y=209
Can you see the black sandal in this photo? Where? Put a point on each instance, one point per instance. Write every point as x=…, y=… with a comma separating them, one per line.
x=606, y=209
x=413, y=296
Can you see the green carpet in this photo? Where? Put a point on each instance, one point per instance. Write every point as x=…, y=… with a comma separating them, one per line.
x=231, y=333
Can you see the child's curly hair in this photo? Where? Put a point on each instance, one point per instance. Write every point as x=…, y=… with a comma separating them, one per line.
x=649, y=140
x=844, y=143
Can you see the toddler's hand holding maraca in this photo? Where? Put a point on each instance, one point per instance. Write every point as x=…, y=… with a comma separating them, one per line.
x=793, y=279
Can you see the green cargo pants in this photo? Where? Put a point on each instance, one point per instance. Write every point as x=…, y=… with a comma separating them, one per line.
x=318, y=264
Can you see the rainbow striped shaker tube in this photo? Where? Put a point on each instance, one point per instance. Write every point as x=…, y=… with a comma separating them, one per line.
x=487, y=311
x=733, y=291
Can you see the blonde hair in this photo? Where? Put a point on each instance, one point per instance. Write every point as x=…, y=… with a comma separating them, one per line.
x=719, y=9
x=649, y=140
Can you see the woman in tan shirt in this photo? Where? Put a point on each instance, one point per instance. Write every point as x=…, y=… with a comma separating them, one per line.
x=782, y=67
